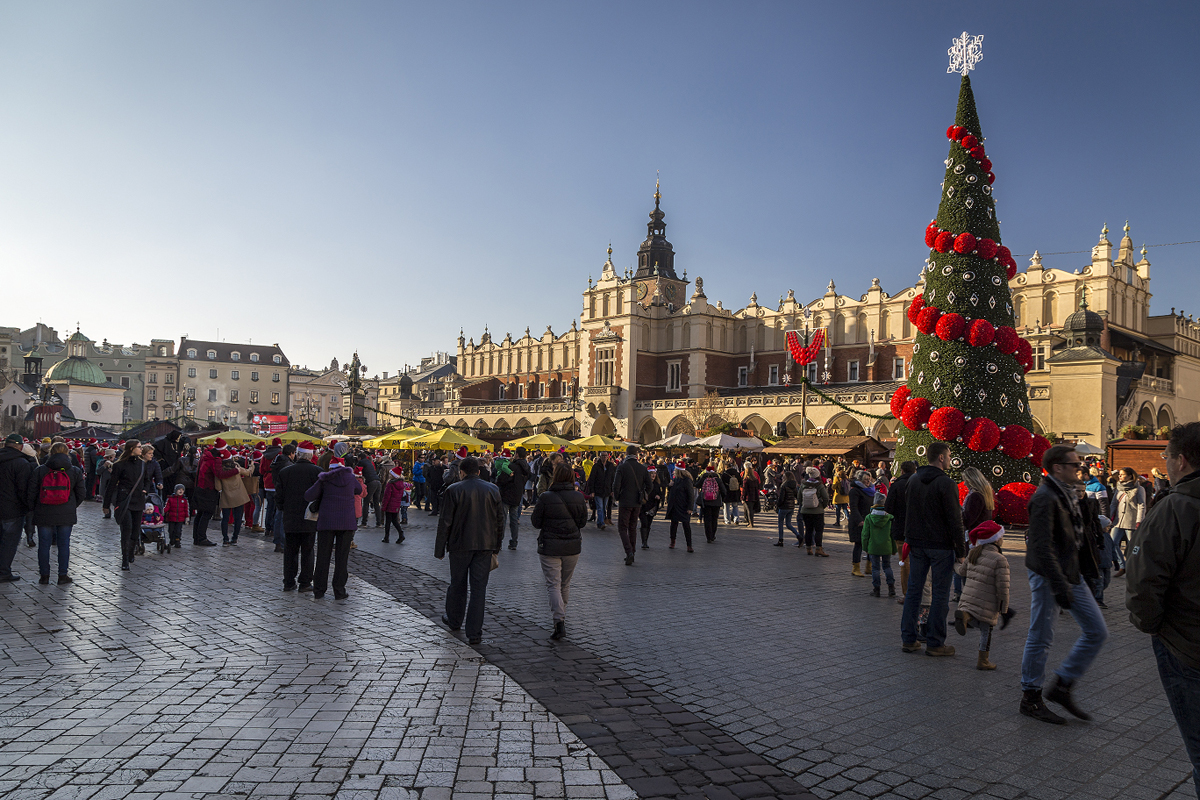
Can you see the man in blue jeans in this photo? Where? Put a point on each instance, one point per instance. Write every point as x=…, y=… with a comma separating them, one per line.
x=1163, y=588
x=1059, y=556
x=933, y=528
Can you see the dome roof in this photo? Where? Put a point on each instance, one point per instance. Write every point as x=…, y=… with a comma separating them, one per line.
x=77, y=369
x=1084, y=320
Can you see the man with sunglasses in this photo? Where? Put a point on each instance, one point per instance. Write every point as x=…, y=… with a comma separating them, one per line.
x=1058, y=557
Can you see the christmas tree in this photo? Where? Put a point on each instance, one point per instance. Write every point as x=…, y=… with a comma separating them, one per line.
x=967, y=382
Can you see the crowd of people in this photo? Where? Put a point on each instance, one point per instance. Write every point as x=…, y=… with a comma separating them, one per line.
x=1085, y=527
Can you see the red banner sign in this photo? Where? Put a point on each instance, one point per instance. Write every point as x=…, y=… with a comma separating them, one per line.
x=268, y=424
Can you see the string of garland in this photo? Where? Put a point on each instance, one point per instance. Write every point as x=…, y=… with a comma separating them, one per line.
x=842, y=405
x=438, y=426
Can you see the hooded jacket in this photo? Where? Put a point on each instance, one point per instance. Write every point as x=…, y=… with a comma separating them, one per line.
x=877, y=534
x=631, y=483
x=63, y=513
x=336, y=489
x=15, y=469
x=932, y=515
x=897, y=504
x=512, y=485
x=985, y=589
x=1163, y=581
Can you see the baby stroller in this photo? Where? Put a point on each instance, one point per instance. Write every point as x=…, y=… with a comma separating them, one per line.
x=769, y=497
x=153, y=526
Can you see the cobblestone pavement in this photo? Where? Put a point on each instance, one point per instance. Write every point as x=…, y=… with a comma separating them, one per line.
x=194, y=676
x=790, y=656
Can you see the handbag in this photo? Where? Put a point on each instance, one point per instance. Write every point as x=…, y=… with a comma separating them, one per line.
x=312, y=511
x=495, y=562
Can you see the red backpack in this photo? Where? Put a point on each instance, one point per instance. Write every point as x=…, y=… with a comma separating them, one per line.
x=711, y=487
x=56, y=488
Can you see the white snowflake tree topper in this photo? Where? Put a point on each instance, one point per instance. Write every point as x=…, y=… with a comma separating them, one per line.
x=965, y=54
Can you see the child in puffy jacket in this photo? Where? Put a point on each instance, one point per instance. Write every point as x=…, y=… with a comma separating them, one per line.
x=878, y=544
x=985, y=590
x=396, y=498
x=176, y=513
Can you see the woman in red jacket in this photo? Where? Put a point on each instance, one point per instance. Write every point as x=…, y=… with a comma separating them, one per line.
x=395, y=500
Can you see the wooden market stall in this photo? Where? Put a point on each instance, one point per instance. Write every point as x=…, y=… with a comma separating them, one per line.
x=866, y=449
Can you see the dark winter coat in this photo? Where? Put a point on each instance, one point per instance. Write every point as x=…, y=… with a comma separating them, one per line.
x=560, y=513
x=631, y=483
x=788, y=492
x=897, y=505
x=127, y=487
x=699, y=483
x=291, y=483
x=15, y=469
x=681, y=497
x=933, y=517
x=472, y=518
x=512, y=487
x=63, y=513
x=369, y=472
x=168, y=451
x=335, y=489
x=600, y=481
x=1055, y=545
x=975, y=511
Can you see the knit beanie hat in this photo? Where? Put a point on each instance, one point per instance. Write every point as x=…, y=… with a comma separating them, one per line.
x=813, y=473
x=879, y=501
x=985, y=532
x=179, y=486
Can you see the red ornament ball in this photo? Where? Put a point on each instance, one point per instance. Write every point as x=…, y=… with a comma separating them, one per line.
x=969, y=141
x=914, y=308
x=964, y=243
x=944, y=242
x=1004, y=254
x=981, y=333
x=916, y=413
x=977, y=153
x=986, y=247
x=991, y=178
x=927, y=320
x=946, y=423
x=986, y=163
x=1037, y=449
x=931, y=234
x=1016, y=441
x=959, y=132
x=1012, y=503
x=1011, y=270
x=1006, y=340
x=899, y=399
x=950, y=132
x=981, y=434
x=950, y=326
x=963, y=491
x=1024, y=352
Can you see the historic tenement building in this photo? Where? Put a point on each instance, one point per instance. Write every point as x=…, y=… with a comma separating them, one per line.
x=649, y=346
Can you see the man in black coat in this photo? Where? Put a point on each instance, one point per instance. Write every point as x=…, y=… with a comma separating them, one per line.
x=89, y=467
x=933, y=528
x=470, y=529
x=897, y=499
x=512, y=492
x=15, y=470
x=599, y=486
x=631, y=488
x=374, y=494
x=434, y=478
x=291, y=482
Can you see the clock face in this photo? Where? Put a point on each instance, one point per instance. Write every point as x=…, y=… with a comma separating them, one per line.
x=642, y=291
x=670, y=291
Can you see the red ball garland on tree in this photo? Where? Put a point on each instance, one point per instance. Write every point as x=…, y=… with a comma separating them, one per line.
x=1015, y=440
x=927, y=320
x=899, y=399
x=946, y=423
x=987, y=248
x=914, y=308
x=968, y=141
x=1037, y=449
x=964, y=243
x=931, y=234
x=916, y=413
x=1012, y=503
x=981, y=434
x=944, y=242
x=1006, y=340
x=981, y=333
x=950, y=326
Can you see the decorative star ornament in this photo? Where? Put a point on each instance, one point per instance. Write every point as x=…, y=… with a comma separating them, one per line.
x=965, y=54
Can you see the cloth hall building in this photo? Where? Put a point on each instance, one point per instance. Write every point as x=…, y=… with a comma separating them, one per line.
x=650, y=355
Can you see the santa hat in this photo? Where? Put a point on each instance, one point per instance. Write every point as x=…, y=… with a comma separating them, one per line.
x=277, y=442
x=305, y=448
x=260, y=446
x=505, y=453
x=335, y=461
x=91, y=441
x=222, y=454
x=358, y=470
x=985, y=532
x=397, y=473
x=219, y=443
x=681, y=464
x=461, y=452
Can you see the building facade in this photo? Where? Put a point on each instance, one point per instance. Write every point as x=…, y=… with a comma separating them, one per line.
x=229, y=383
x=163, y=397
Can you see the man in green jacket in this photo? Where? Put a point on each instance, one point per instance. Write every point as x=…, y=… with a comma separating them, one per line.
x=1163, y=585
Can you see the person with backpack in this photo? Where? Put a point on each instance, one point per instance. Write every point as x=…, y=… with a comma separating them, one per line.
x=733, y=493
x=54, y=493
x=560, y=514
x=751, y=487
x=711, y=496
x=814, y=498
x=841, y=495
x=511, y=478
x=631, y=489
x=789, y=492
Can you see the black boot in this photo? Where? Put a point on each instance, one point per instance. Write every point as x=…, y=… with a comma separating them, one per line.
x=1032, y=705
x=875, y=591
x=1058, y=692
x=560, y=630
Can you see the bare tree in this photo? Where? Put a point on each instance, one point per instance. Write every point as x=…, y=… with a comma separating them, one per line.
x=701, y=412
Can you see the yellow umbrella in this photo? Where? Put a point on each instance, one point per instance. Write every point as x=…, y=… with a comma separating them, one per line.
x=444, y=439
x=542, y=441
x=240, y=437
x=599, y=442
x=391, y=441
x=296, y=437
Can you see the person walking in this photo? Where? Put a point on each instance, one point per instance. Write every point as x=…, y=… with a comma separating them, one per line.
x=560, y=514
x=292, y=480
x=814, y=499
x=985, y=596
x=1127, y=510
x=435, y=474
x=841, y=495
x=751, y=492
x=599, y=486
x=1163, y=585
x=896, y=505
x=710, y=493
x=334, y=492
x=933, y=530
x=789, y=491
x=176, y=512
x=470, y=529
x=1058, y=557
x=15, y=471
x=512, y=492
x=660, y=481
x=372, y=500
x=681, y=499
x=234, y=497
x=207, y=496
x=862, y=497
x=631, y=489
x=127, y=486
x=55, y=491
x=395, y=499
x=978, y=506
x=878, y=544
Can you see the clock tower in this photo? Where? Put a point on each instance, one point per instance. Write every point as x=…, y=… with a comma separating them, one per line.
x=656, y=262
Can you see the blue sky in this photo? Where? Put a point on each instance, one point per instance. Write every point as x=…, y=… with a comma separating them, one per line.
x=333, y=176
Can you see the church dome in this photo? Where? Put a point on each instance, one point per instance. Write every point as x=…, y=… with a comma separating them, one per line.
x=406, y=384
x=1084, y=320
x=75, y=369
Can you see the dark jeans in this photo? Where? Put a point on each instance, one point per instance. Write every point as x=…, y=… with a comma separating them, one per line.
x=337, y=545
x=392, y=519
x=298, y=558
x=469, y=570
x=435, y=503
x=269, y=514
x=939, y=566
x=514, y=521
x=687, y=530
x=131, y=533
x=280, y=535
x=206, y=506
x=10, y=539
x=371, y=502
x=1182, y=685
x=881, y=564
x=785, y=518
x=627, y=525
x=229, y=515
x=814, y=528
x=418, y=495
x=60, y=535
x=175, y=531
x=711, y=515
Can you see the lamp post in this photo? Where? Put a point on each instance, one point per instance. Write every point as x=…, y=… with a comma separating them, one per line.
x=804, y=379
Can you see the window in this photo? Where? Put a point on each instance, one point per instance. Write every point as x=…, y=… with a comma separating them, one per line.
x=153, y=377
x=254, y=397
x=278, y=359
x=152, y=394
x=233, y=395
x=852, y=371
x=500, y=392
x=95, y=407
x=191, y=393
x=812, y=372
x=275, y=398
x=162, y=351
x=191, y=372
x=191, y=352
x=674, y=375
x=125, y=381
x=1039, y=357
x=212, y=373
x=235, y=374
x=212, y=413
x=254, y=358
x=253, y=376
x=190, y=413
x=212, y=395
x=235, y=356
x=606, y=363
x=170, y=379
x=275, y=377
x=743, y=376
x=233, y=415
x=151, y=412
x=773, y=375
x=212, y=354
x=520, y=391
x=897, y=369
x=168, y=395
